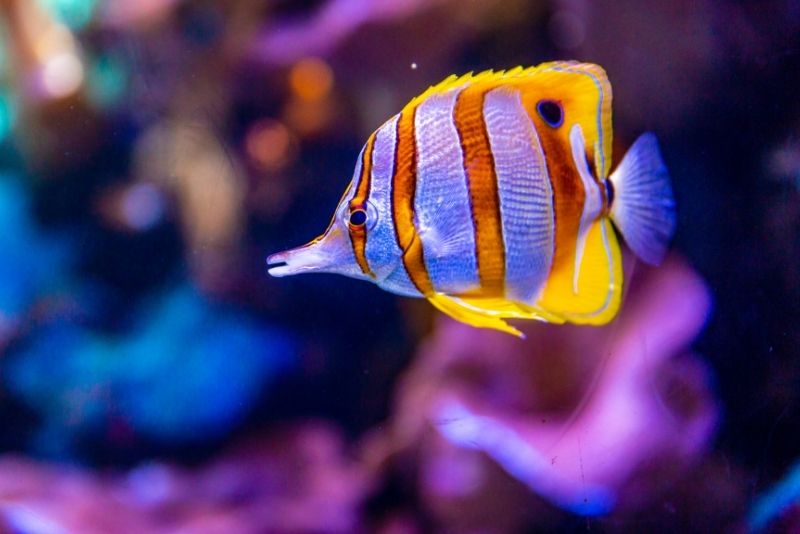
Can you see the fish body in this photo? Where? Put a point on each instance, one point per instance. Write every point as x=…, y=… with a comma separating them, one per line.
x=491, y=196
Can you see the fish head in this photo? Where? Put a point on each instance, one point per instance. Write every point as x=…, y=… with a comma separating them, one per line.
x=331, y=252
x=341, y=249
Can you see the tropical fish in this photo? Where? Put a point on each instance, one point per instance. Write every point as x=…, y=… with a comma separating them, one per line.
x=491, y=196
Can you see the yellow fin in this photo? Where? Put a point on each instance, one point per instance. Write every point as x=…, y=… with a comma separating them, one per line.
x=453, y=81
x=471, y=316
x=582, y=89
x=599, y=281
x=510, y=309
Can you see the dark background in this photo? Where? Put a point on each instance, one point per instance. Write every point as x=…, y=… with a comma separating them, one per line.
x=153, y=153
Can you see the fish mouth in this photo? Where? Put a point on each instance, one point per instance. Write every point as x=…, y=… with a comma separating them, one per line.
x=311, y=258
x=294, y=261
x=278, y=267
x=329, y=253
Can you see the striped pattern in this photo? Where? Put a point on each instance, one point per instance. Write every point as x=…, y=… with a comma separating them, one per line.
x=442, y=202
x=482, y=182
x=526, y=196
x=592, y=206
x=403, y=192
x=472, y=201
x=568, y=194
x=599, y=80
x=478, y=204
x=382, y=249
x=358, y=235
x=485, y=198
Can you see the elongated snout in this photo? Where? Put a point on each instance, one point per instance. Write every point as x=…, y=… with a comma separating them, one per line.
x=330, y=253
x=297, y=260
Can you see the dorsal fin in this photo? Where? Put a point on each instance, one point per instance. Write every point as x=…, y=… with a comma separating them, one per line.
x=454, y=80
x=583, y=88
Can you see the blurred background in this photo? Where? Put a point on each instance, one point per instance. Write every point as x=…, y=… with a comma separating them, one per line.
x=154, y=378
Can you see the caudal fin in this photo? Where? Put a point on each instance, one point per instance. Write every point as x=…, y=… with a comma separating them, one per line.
x=643, y=207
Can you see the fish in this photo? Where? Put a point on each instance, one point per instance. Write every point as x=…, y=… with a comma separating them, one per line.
x=491, y=195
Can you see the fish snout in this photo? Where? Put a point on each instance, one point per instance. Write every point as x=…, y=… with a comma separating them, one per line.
x=329, y=253
x=297, y=260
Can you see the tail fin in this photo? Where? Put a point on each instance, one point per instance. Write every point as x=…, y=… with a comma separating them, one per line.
x=643, y=208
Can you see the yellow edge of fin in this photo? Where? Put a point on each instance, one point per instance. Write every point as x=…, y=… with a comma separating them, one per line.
x=454, y=80
x=497, y=307
x=471, y=316
x=615, y=291
x=600, y=281
x=593, y=71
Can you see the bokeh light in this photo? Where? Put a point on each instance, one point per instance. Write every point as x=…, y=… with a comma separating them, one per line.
x=311, y=79
x=8, y=112
x=62, y=74
x=108, y=80
x=74, y=13
x=270, y=145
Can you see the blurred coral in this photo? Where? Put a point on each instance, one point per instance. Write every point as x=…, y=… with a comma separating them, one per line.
x=189, y=161
x=48, y=62
x=31, y=261
x=580, y=415
x=124, y=14
x=778, y=508
x=295, y=480
x=331, y=23
x=182, y=348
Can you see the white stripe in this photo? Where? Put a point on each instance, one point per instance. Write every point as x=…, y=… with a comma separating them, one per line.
x=443, y=216
x=593, y=201
x=383, y=253
x=525, y=193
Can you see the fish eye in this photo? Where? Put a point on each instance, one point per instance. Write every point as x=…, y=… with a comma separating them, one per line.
x=551, y=112
x=358, y=217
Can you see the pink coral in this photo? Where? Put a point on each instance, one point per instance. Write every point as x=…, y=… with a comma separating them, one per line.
x=580, y=415
x=298, y=480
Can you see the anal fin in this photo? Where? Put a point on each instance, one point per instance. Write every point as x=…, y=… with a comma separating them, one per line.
x=507, y=309
x=461, y=311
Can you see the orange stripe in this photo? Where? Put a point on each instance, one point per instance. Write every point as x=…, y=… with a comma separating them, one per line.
x=404, y=182
x=482, y=183
x=568, y=193
x=358, y=236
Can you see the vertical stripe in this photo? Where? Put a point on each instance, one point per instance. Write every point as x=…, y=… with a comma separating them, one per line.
x=358, y=235
x=568, y=194
x=382, y=251
x=526, y=196
x=482, y=184
x=593, y=203
x=403, y=188
x=365, y=176
x=441, y=202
